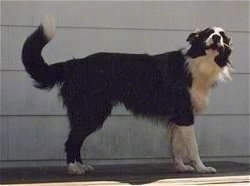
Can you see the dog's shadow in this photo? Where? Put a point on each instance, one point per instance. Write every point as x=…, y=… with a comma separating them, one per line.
x=114, y=174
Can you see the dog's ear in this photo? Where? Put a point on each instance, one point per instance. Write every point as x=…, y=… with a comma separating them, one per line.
x=223, y=58
x=193, y=36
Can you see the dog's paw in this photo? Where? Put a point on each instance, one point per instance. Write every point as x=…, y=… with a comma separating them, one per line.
x=87, y=167
x=77, y=168
x=184, y=168
x=204, y=169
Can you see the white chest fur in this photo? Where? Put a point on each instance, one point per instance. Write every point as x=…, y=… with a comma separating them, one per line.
x=205, y=73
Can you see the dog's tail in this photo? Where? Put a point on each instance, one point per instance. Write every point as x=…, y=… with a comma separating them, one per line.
x=45, y=76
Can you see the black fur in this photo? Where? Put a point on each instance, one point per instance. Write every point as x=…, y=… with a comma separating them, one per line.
x=45, y=76
x=155, y=86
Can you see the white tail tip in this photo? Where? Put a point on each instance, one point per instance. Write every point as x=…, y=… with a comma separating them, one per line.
x=49, y=26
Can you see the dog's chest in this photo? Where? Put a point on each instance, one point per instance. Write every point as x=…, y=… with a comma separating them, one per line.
x=199, y=99
x=205, y=73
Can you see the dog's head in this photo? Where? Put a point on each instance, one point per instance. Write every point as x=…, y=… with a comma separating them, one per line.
x=213, y=43
x=211, y=39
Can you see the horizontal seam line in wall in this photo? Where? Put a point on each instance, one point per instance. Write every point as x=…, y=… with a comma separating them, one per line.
x=117, y=28
x=113, y=115
x=132, y=158
x=22, y=70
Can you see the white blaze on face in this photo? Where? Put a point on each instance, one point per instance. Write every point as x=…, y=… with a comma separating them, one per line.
x=217, y=31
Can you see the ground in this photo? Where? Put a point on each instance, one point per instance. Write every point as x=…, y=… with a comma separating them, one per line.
x=229, y=173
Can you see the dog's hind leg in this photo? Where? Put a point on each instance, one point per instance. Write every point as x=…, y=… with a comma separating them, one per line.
x=73, y=146
x=187, y=141
x=82, y=125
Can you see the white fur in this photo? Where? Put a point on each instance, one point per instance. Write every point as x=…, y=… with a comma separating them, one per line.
x=77, y=168
x=49, y=26
x=225, y=73
x=179, y=153
x=217, y=31
x=184, y=146
x=205, y=73
x=88, y=167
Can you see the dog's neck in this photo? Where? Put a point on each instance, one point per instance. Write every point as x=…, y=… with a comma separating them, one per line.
x=205, y=73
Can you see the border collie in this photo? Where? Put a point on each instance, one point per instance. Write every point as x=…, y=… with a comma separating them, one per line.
x=171, y=87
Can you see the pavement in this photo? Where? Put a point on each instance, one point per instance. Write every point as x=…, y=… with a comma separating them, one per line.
x=228, y=173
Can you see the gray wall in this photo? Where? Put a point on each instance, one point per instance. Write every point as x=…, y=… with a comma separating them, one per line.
x=33, y=124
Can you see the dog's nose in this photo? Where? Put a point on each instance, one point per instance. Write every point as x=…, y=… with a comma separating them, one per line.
x=216, y=38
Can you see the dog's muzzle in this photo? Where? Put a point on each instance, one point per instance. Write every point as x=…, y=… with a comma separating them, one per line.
x=214, y=42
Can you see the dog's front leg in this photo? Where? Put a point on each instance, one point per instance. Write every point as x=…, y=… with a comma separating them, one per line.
x=184, y=145
x=179, y=152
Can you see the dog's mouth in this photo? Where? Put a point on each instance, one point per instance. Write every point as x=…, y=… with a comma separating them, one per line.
x=215, y=42
x=216, y=46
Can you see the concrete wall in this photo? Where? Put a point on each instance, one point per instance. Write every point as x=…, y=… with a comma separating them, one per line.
x=33, y=124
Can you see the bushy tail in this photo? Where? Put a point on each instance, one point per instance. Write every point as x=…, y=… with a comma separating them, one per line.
x=45, y=76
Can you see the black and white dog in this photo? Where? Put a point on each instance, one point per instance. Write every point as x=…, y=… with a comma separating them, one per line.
x=172, y=87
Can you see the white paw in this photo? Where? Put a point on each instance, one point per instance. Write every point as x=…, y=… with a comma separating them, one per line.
x=205, y=169
x=184, y=168
x=75, y=169
x=87, y=167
